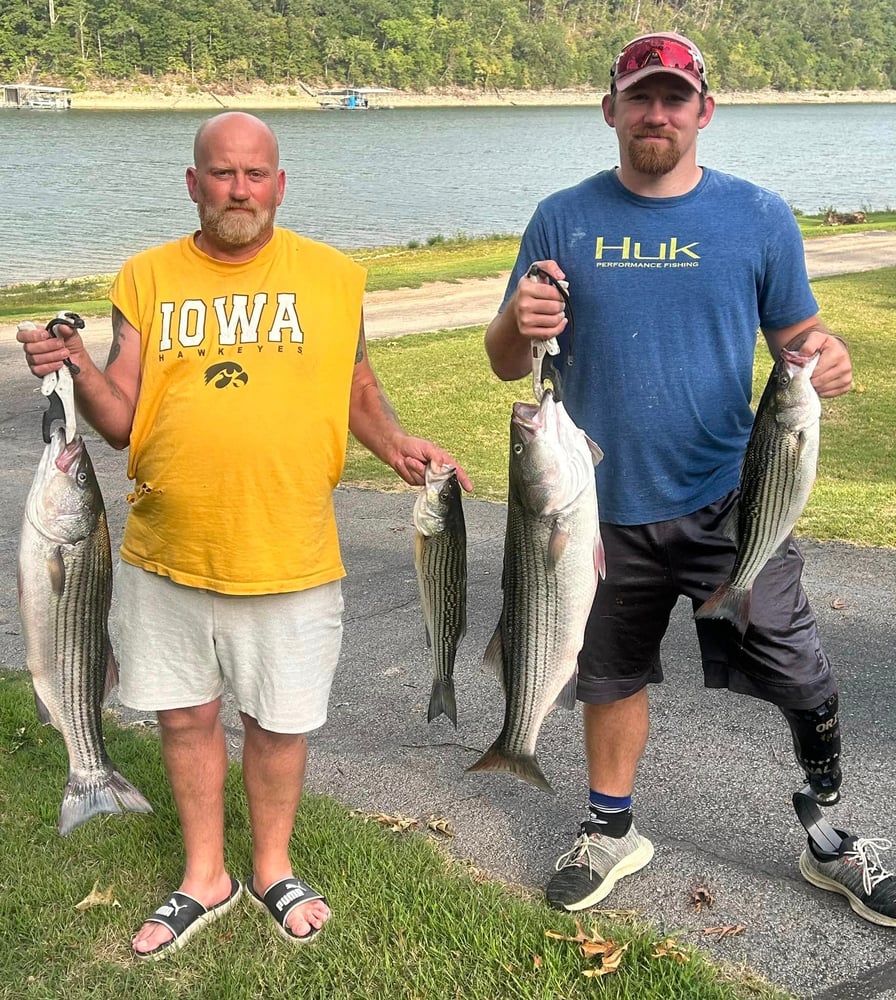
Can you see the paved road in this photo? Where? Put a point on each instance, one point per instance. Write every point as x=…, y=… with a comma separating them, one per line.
x=716, y=780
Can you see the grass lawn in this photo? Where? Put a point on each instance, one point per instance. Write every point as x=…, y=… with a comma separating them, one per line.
x=443, y=389
x=409, y=923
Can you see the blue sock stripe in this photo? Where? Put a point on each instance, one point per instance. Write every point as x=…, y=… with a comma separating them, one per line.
x=609, y=803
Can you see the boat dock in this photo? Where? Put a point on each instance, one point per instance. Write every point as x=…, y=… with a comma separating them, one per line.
x=25, y=96
x=352, y=98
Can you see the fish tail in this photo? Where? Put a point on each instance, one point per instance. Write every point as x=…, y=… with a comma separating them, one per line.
x=524, y=766
x=84, y=799
x=442, y=701
x=730, y=603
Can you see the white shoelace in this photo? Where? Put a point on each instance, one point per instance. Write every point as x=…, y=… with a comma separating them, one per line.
x=865, y=851
x=582, y=848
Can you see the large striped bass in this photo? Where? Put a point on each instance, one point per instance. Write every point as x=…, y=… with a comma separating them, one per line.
x=65, y=587
x=775, y=482
x=553, y=556
x=440, y=559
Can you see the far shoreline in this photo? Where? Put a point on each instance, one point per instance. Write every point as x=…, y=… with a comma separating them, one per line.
x=184, y=97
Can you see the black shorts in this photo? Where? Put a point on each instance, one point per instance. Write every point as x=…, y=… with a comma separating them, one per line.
x=779, y=659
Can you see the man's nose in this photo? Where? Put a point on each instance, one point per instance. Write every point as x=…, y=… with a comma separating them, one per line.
x=239, y=188
x=656, y=111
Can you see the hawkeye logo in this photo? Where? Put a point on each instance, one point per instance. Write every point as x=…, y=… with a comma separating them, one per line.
x=226, y=373
x=630, y=252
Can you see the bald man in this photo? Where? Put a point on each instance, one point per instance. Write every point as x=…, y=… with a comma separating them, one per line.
x=238, y=364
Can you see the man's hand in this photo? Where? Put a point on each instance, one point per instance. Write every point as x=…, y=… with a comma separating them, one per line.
x=538, y=306
x=413, y=453
x=46, y=353
x=833, y=373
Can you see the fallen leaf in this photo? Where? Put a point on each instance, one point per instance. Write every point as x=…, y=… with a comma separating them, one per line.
x=438, y=825
x=726, y=930
x=537, y=961
x=597, y=947
x=670, y=948
x=611, y=961
x=838, y=603
x=700, y=897
x=398, y=824
x=97, y=898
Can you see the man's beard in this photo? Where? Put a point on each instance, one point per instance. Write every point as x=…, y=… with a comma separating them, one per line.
x=235, y=229
x=652, y=158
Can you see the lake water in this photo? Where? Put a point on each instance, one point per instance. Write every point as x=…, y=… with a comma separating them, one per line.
x=84, y=189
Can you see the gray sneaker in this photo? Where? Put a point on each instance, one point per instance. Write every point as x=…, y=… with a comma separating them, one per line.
x=857, y=872
x=594, y=864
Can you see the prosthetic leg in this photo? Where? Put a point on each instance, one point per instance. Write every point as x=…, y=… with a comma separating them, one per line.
x=816, y=743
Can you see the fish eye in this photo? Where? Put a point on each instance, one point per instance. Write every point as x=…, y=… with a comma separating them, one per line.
x=517, y=449
x=82, y=478
x=785, y=380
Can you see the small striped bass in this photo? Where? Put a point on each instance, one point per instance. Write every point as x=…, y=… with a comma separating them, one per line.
x=440, y=559
x=65, y=587
x=553, y=556
x=776, y=479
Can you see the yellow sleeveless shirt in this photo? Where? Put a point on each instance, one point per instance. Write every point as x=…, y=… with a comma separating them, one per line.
x=240, y=431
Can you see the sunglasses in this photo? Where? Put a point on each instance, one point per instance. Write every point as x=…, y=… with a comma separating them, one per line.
x=666, y=52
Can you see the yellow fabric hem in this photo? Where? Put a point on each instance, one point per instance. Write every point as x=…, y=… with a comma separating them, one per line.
x=242, y=589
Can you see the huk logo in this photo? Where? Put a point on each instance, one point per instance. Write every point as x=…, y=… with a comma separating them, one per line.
x=630, y=252
x=226, y=373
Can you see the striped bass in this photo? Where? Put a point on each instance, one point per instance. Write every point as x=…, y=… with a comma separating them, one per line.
x=553, y=556
x=440, y=559
x=776, y=479
x=65, y=587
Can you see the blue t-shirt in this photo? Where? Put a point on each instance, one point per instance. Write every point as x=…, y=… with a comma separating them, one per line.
x=668, y=295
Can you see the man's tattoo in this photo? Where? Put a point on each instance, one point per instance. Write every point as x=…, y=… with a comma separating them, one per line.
x=117, y=335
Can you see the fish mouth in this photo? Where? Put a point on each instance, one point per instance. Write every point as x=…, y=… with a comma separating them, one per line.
x=799, y=360
x=532, y=418
x=70, y=453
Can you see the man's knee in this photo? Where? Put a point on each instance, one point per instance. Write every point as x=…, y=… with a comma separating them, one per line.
x=192, y=719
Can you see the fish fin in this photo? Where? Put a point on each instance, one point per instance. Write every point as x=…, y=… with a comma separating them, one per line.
x=802, y=440
x=731, y=524
x=111, y=671
x=595, y=449
x=43, y=713
x=82, y=800
x=729, y=603
x=494, y=652
x=600, y=557
x=557, y=544
x=427, y=636
x=56, y=571
x=442, y=700
x=524, y=766
x=567, y=697
x=782, y=549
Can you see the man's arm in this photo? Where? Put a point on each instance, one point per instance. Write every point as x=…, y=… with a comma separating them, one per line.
x=373, y=421
x=107, y=399
x=833, y=374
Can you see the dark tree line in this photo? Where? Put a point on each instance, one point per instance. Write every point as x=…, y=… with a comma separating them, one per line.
x=419, y=44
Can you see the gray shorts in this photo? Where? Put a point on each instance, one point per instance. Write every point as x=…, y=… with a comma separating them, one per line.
x=178, y=645
x=779, y=659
